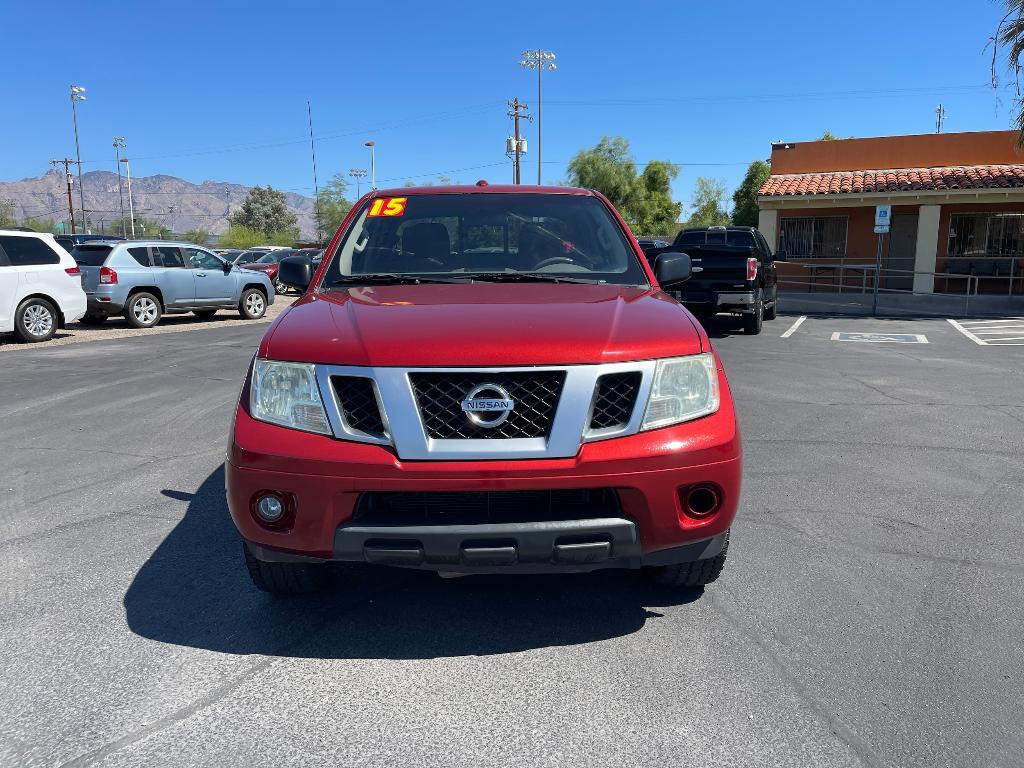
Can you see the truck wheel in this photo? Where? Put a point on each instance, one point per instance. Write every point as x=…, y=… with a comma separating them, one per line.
x=695, y=574
x=285, y=578
x=143, y=310
x=772, y=311
x=752, y=322
x=253, y=304
x=35, y=320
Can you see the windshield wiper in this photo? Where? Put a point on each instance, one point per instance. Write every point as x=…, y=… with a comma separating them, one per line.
x=386, y=278
x=530, y=277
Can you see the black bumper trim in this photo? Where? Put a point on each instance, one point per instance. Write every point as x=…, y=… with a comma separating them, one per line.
x=550, y=547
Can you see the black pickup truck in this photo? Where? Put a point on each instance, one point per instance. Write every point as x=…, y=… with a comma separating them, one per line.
x=733, y=271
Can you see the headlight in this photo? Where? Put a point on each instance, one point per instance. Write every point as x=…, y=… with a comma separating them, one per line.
x=287, y=394
x=684, y=388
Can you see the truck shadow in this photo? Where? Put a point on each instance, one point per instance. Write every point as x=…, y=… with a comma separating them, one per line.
x=194, y=591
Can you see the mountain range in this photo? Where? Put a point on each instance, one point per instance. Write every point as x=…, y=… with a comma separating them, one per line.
x=177, y=204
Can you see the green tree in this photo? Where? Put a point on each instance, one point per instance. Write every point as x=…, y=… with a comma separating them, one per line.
x=332, y=205
x=828, y=136
x=608, y=168
x=40, y=225
x=707, y=204
x=744, y=199
x=652, y=209
x=265, y=209
x=199, y=236
x=239, y=236
x=1009, y=35
x=7, y=213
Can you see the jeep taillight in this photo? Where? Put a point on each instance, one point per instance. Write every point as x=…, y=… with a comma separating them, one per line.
x=751, y=269
x=109, y=276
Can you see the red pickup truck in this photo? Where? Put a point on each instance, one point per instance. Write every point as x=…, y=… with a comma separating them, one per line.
x=484, y=379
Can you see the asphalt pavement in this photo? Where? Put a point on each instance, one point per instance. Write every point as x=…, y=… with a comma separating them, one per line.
x=870, y=612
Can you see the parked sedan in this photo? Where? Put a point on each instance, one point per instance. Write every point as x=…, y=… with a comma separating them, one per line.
x=145, y=280
x=269, y=263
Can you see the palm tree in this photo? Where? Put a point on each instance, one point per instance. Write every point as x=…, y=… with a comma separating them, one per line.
x=1010, y=35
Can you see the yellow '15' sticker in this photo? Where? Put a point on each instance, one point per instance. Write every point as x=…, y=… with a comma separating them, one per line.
x=388, y=206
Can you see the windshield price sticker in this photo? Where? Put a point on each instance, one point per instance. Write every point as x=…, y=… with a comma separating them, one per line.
x=388, y=206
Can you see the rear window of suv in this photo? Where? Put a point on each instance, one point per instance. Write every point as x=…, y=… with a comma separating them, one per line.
x=90, y=255
x=27, y=251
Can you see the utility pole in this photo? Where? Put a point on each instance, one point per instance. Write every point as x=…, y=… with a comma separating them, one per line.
x=518, y=145
x=358, y=174
x=940, y=115
x=131, y=205
x=66, y=162
x=118, y=146
x=171, y=210
x=77, y=95
x=373, y=163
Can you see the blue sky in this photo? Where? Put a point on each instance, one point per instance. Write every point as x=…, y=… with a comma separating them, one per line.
x=218, y=90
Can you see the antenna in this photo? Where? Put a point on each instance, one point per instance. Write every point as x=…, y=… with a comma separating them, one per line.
x=316, y=188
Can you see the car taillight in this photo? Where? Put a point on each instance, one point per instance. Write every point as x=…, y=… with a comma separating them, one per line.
x=751, y=269
x=73, y=271
x=108, y=276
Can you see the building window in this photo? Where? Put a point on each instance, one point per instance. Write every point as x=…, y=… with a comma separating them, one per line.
x=813, y=237
x=986, y=234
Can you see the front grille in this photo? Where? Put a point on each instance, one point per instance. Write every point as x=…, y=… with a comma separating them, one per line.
x=359, y=404
x=439, y=397
x=473, y=507
x=615, y=399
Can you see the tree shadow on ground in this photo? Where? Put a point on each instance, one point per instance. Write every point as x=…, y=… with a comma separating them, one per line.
x=194, y=591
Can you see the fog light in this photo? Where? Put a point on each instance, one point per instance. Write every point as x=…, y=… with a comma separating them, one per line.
x=700, y=501
x=269, y=508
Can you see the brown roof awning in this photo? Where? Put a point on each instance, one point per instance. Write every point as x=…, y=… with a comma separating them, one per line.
x=895, y=180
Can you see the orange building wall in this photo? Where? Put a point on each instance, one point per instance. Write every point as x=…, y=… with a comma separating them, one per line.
x=929, y=150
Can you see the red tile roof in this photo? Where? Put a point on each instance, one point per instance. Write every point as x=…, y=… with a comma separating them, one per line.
x=895, y=180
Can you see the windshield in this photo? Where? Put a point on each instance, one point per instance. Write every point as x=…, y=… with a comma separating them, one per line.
x=487, y=237
x=269, y=258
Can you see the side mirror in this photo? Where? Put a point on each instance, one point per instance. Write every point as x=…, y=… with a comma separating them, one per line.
x=779, y=256
x=296, y=272
x=227, y=267
x=672, y=268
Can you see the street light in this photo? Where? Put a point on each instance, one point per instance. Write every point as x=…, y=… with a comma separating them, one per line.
x=373, y=164
x=77, y=92
x=118, y=146
x=540, y=60
x=131, y=206
x=357, y=174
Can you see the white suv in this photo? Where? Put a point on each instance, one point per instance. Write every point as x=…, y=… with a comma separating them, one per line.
x=40, y=286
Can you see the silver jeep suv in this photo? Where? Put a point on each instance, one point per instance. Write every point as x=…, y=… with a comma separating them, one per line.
x=142, y=280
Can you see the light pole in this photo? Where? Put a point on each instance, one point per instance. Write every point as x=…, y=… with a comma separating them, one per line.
x=540, y=60
x=131, y=206
x=373, y=164
x=172, y=221
x=118, y=146
x=357, y=174
x=77, y=95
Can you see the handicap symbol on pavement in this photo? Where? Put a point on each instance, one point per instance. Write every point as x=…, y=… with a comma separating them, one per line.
x=881, y=338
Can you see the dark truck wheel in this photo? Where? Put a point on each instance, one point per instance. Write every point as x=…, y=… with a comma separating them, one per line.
x=143, y=310
x=695, y=574
x=752, y=321
x=285, y=578
x=35, y=320
x=772, y=311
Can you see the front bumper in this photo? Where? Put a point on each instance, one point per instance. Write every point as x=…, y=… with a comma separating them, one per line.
x=325, y=477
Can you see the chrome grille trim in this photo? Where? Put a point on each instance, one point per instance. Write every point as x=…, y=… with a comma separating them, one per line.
x=405, y=430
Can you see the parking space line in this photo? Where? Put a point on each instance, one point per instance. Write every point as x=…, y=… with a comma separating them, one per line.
x=1006, y=338
x=789, y=331
x=966, y=332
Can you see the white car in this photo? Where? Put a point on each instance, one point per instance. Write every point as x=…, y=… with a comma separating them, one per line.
x=40, y=286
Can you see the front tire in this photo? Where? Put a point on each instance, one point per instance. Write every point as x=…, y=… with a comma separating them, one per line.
x=695, y=574
x=143, y=310
x=35, y=320
x=253, y=304
x=280, y=288
x=752, y=322
x=285, y=578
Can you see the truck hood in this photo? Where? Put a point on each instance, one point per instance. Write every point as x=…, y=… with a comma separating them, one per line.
x=481, y=324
